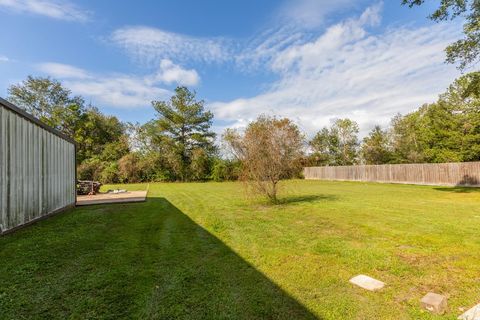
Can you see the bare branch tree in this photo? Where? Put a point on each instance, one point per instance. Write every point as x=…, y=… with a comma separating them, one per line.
x=270, y=150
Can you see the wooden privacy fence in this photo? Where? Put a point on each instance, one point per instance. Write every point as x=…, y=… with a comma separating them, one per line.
x=445, y=174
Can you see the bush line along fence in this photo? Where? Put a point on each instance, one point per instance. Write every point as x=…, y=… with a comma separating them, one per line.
x=441, y=174
x=37, y=169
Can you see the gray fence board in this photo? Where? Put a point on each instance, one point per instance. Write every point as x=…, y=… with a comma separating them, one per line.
x=447, y=174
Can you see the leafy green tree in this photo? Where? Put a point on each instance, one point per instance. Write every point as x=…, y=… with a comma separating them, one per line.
x=96, y=132
x=47, y=100
x=442, y=137
x=465, y=51
x=336, y=145
x=44, y=98
x=325, y=148
x=407, y=140
x=346, y=132
x=113, y=151
x=110, y=174
x=445, y=131
x=454, y=122
x=182, y=127
x=375, y=148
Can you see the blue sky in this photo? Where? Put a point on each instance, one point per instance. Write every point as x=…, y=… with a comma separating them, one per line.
x=310, y=60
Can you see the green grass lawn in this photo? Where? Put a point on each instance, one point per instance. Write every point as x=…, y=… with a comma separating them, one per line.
x=202, y=251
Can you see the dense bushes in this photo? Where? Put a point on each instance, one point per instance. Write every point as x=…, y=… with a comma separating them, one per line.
x=224, y=170
x=152, y=167
x=179, y=145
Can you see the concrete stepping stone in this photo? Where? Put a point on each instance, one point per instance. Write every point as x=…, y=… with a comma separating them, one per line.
x=367, y=282
x=434, y=302
x=472, y=314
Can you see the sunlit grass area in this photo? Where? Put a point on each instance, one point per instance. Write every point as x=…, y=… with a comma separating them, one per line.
x=205, y=251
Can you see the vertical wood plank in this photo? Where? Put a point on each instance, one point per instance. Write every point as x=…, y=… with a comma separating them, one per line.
x=447, y=174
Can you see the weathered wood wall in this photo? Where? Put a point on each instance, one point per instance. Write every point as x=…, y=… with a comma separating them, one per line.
x=37, y=169
x=446, y=174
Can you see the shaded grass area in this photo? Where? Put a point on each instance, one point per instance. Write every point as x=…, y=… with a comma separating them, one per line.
x=459, y=189
x=201, y=251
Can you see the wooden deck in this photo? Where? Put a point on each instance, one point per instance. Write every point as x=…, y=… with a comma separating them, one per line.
x=106, y=198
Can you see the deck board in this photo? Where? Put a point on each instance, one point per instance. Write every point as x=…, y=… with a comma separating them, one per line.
x=107, y=198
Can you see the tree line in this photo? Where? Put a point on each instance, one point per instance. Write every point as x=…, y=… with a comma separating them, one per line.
x=447, y=130
x=179, y=144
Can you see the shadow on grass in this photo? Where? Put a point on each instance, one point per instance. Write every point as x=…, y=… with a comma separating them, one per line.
x=458, y=189
x=468, y=184
x=307, y=198
x=147, y=260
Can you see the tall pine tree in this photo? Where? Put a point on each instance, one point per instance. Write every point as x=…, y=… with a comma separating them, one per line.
x=183, y=127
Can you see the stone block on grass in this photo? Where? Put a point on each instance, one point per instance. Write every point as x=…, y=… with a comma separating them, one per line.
x=367, y=282
x=434, y=302
x=472, y=314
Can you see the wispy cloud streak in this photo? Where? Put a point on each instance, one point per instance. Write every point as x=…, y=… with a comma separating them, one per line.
x=151, y=45
x=55, y=9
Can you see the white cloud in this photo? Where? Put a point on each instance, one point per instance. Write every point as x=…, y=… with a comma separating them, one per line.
x=115, y=90
x=311, y=13
x=348, y=71
x=321, y=50
x=4, y=59
x=56, y=9
x=59, y=70
x=152, y=45
x=120, y=91
x=172, y=73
